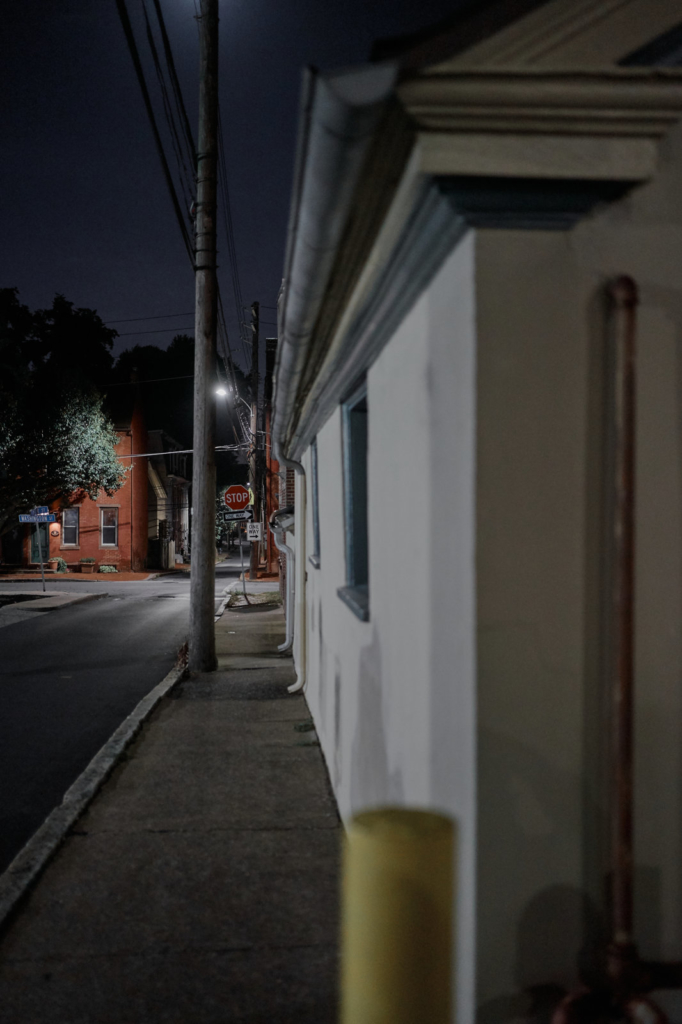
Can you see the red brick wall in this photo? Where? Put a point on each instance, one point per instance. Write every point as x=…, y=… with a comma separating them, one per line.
x=131, y=501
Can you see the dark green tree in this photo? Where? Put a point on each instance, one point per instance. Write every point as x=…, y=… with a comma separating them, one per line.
x=56, y=443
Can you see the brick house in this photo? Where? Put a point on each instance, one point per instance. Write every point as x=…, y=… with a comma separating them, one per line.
x=110, y=529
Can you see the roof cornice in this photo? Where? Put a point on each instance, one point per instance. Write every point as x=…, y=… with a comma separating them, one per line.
x=500, y=148
x=614, y=101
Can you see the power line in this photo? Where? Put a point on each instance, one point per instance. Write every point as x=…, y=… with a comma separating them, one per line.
x=161, y=316
x=185, y=133
x=187, y=179
x=161, y=330
x=147, y=380
x=175, y=83
x=229, y=232
x=132, y=47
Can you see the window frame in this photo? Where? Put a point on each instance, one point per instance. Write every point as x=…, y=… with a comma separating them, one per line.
x=355, y=443
x=314, y=558
x=102, y=510
x=76, y=543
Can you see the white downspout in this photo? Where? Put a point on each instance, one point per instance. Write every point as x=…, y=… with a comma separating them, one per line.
x=280, y=543
x=299, y=594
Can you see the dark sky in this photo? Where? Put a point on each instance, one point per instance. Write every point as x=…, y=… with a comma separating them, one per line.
x=85, y=209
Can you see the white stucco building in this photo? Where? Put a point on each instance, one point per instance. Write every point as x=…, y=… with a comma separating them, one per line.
x=460, y=210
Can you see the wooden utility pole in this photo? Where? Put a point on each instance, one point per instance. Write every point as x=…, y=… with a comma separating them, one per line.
x=254, y=461
x=202, y=656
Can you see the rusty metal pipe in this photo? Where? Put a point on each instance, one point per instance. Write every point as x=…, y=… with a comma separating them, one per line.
x=621, y=995
x=623, y=293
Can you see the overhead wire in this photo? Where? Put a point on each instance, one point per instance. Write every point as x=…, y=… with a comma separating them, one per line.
x=229, y=233
x=134, y=53
x=160, y=316
x=181, y=137
x=186, y=131
x=160, y=330
x=187, y=179
x=175, y=84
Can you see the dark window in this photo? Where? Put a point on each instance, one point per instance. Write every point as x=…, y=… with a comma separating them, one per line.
x=70, y=517
x=315, y=557
x=356, y=592
x=109, y=521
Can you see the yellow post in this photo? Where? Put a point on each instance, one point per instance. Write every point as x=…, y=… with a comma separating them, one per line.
x=396, y=918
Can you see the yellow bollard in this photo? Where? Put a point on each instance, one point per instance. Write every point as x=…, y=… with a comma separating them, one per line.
x=396, y=918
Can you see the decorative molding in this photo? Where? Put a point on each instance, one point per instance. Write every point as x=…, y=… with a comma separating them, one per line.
x=575, y=33
x=527, y=203
x=431, y=233
x=517, y=149
x=620, y=102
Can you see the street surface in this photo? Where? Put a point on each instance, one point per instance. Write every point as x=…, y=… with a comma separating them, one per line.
x=68, y=678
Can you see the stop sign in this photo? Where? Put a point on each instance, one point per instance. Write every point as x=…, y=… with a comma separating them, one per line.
x=237, y=497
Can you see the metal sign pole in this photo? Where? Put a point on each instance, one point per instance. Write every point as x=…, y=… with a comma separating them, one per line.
x=40, y=553
x=241, y=552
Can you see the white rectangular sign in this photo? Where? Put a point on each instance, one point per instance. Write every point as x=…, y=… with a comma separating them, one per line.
x=253, y=531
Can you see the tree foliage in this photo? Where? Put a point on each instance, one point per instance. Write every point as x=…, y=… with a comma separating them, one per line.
x=56, y=443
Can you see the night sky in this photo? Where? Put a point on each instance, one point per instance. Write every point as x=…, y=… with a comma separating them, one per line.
x=85, y=210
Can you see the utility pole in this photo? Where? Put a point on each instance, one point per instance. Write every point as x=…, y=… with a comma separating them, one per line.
x=254, y=462
x=202, y=656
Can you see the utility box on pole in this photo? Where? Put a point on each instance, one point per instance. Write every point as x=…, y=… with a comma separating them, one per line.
x=202, y=656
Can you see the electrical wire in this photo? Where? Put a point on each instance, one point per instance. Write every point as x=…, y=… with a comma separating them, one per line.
x=184, y=133
x=132, y=47
x=146, y=380
x=175, y=83
x=229, y=233
x=187, y=179
x=160, y=330
x=160, y=316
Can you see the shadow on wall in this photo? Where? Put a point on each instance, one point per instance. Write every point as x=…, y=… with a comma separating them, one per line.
x=371, y=783
x=557, y=922
x=538, y=933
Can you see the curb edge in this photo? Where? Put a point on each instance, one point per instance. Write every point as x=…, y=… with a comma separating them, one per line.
x=33, y=858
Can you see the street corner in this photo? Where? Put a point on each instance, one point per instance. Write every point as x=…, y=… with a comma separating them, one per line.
x=36, y=602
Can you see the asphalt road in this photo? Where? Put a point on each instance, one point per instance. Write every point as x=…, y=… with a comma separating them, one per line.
x=68, y=678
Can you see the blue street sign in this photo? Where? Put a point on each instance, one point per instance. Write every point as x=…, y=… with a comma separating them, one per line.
x=38, y=519
x=40, y=510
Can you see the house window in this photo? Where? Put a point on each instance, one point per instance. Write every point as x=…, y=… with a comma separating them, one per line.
x=315, y=557
x=109, y=527
x=70, y=521
x=356, y=592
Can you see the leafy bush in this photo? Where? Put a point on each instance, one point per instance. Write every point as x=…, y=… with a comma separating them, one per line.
x=87, y=559
x=108, y=568
x=61, y=565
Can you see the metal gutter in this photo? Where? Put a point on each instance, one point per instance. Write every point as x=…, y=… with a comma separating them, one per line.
x=339, y=114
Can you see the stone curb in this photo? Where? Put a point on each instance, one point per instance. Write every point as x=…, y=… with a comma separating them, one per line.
x=32, y=860
x=227, y=593
x=51, y=602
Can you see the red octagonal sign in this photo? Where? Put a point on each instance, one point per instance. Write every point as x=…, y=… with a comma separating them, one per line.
x=237, y=497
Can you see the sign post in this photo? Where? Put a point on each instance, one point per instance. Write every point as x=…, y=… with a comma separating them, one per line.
x=39, y=514
x=241, y=555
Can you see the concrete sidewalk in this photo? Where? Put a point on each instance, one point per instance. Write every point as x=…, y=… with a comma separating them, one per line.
x=201, y=886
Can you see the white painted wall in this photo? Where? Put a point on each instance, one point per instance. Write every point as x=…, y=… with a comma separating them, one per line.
x=485, y=438
x=394, y=698
x=542, y=855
